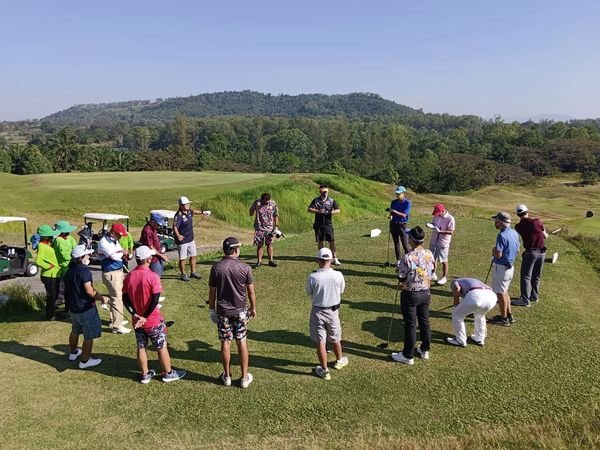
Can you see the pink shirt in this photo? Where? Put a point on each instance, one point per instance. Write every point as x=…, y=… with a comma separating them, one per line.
x=444, y=223
x=140, y=284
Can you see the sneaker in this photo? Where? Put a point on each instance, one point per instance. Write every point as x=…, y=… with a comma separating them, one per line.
x=121, y=330
x=337, y=262
x=323, y=373
x=184, y=277
x=146, y=377
x=434, y=277
x=273, y=263
x=520, y=302
x=442, y=281
x=257, y=265
x=174, y=375
x=89, y=363
x=502, y=321
x=341, y=363
x=125, y=322
x=422, y=354
x=511, y=318
x=245, y=382
x=554, y=257
x=196, y=275
x=74, y=356
x=226, y=380
x=454, y=341
x=534, y=300
x=399, y=357
x=161, y=299
x=476, y=342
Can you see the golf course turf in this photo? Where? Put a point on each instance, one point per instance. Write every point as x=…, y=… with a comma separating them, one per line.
x=534, y=384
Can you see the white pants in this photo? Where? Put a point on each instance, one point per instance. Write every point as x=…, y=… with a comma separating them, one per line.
x=477, y=302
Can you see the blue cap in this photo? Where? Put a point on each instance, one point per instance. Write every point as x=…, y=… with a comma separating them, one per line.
x=400, y=190
x=158, y=219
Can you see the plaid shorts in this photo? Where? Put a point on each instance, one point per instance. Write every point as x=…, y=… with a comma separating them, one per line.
x=233, y=326
x=157, y=334
x=263, y=238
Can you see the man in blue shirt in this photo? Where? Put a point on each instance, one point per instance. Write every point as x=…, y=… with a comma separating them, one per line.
x=504, y=255
x=399, y=214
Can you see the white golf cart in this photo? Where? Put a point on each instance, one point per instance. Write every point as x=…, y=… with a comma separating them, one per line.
x=90, y=235
x=165, y=234
x=15, y=259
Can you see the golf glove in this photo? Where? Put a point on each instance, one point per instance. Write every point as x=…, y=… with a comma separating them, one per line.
x=207, y=213
x=213, y=316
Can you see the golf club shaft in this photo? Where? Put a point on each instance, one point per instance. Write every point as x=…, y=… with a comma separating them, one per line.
x=489, y=270
x=392, y=316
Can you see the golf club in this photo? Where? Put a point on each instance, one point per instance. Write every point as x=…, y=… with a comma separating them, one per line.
x=446, y=307
x=489, y=270
x=387, y=342
x=387, y=257
x=189, y=283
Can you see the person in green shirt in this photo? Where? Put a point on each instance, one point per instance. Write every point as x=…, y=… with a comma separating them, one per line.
x=64, y=245
x=127, y=244
x=48, y=263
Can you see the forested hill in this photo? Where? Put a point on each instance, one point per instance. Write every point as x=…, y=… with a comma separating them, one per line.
x=244, y=103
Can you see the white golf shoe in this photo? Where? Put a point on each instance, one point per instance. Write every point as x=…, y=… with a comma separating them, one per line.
x=442, y=281
x=399, y=357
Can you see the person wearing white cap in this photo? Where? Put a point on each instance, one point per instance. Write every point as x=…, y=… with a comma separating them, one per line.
x=324, y=207
x=80, y=299
x=533, y=235
x=399, y=215
x=325, y=287
x=183, y=229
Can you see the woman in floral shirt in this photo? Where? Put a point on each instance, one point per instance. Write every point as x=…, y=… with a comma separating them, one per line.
x=414, y=271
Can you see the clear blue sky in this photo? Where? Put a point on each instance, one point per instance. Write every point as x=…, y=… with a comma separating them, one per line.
x=512, y=57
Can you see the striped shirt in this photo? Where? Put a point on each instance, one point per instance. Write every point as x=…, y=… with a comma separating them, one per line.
x=325, y=287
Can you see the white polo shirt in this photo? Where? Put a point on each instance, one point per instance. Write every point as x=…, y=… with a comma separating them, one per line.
x=325, y=287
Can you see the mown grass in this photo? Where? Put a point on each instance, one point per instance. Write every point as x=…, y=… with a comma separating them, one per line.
x=533, y=385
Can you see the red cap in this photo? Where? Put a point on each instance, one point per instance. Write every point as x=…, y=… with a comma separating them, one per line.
x=438, y=209
x=119, y=228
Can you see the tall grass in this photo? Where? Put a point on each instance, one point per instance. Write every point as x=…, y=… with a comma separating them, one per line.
x=21, y=300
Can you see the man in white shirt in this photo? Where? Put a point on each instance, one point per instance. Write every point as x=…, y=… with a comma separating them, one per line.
x=325, y=287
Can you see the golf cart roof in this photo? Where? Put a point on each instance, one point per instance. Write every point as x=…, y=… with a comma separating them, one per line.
x=102, y=216
x=166, y=213
x=6, y=219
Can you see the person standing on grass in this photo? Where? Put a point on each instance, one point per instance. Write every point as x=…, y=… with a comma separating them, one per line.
x=400, y=213
x=150, y=239
x=127, y=244
x=478, y=299
x=230, y=285
x=141, y=291
x=324, y=207
x=48, y=263
x=63, y=246
x=534, y=236
x=414, y=271
x=325, y=287
x=81, y=297
x=503, y=270
x=439, y=244
x=111, y=263
x=266, y=221
x=183, y=229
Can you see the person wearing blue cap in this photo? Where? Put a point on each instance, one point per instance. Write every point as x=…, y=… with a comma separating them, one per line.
x=399, y=214
x=150, y=239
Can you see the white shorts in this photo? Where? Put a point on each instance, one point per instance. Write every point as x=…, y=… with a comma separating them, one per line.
x=440, y=254
x=187, y=250
x=501, y=278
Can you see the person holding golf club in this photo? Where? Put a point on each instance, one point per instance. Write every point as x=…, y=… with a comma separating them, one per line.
x=325, y=287
x=534, y=236
x=324, y=207
x=141, y=291
x=81, y=298
x=49, y=268
x=478, y=299
x=266, y=221
x=503, y=270
x=150, y=239
x=443, y=224
x=183, y=229
x=231, y=285
x=111, y=263
x=414, y=272
x=399, y=215
x=127, y=244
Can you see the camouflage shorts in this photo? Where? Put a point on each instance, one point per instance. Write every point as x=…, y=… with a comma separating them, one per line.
x=231, y=327
x=157, y=335
x=263, y=238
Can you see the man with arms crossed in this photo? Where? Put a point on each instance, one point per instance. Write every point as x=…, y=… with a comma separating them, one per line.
x=324, y=207
x=325, y=287
x=439, y=244
x=230, y=282
x=266, y=221
x=183, y=229
x=150, y=239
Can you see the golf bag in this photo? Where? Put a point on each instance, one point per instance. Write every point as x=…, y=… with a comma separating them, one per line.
x=86, y=236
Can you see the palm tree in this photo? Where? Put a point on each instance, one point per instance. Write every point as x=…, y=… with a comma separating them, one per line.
x=63, y=146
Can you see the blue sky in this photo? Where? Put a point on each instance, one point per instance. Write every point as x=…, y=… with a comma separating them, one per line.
x=513, y=58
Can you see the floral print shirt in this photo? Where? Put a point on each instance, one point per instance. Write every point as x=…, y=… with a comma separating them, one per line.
x=417, y=268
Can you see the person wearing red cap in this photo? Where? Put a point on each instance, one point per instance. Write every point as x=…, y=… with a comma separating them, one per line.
x=443, y=229
x=111, y=262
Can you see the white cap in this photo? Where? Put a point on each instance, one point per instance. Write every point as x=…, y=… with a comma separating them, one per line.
x=81, y=250
x=144, y=252
x=184, y=200
x=324, y=253
x=521, y=209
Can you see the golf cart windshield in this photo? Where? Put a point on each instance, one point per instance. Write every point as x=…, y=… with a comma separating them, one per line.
x=13, y=231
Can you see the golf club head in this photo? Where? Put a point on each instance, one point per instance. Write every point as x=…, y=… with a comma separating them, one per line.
x=556, y=231
x=383, y=345
x=169, y=323
x=589, y=214
x=386, y=264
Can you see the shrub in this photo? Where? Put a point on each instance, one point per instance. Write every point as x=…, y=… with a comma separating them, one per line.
x=19, y=300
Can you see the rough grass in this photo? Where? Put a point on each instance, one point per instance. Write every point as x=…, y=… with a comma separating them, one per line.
x=21, y=301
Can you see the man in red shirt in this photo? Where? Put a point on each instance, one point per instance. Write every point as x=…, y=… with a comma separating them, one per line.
x=533, y=234
x=150, y=239
x=141, y=291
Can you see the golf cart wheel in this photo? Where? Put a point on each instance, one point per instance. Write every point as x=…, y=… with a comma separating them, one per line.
x=163, y=248
x=31, y=270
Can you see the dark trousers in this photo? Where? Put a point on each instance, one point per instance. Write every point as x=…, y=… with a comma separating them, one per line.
x=415, y=308
x=398, y=232
x=531, y=272
x=52, y=286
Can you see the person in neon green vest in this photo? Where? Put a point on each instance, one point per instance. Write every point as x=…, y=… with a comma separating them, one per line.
x=127, y=244
x=48, y=263
x=64, y=245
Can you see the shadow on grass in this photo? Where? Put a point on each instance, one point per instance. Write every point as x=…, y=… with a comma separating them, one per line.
x=382, y=284
x=344, y=261
x=380, y=326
